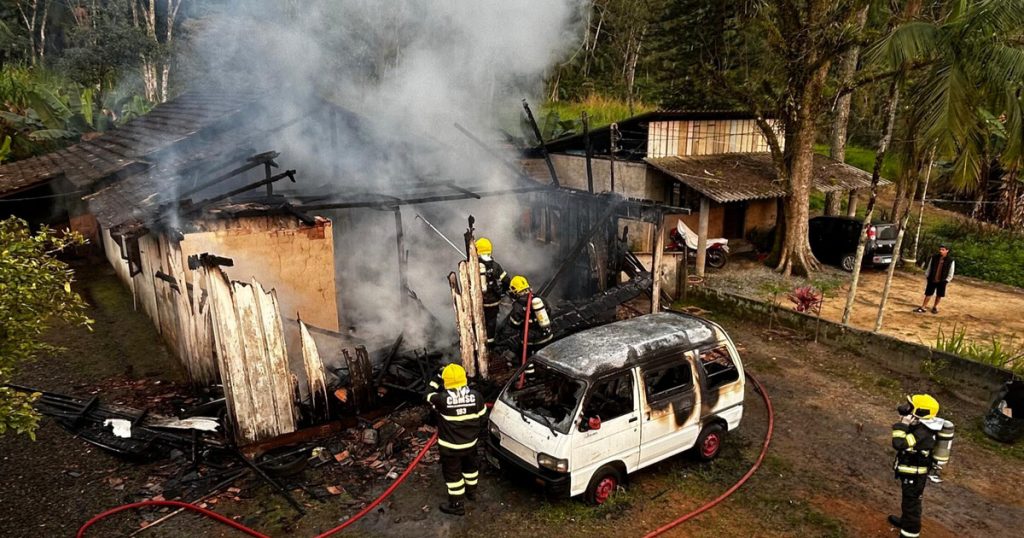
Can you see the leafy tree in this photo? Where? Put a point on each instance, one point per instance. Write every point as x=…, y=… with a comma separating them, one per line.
x=35, y=289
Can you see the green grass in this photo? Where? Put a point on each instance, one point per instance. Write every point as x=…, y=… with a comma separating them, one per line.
x=972, y=431
x=864, y=158
x=559, y=118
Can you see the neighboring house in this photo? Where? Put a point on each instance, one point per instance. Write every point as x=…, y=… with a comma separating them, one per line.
x=716, y=164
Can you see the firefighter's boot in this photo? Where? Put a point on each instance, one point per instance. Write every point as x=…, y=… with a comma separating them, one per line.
x=471, y=493
x=895, y=521
x=454, y=506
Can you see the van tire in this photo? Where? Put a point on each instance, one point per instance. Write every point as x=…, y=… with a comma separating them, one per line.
x=709, y=442
x=847, y=262
x=603, y=484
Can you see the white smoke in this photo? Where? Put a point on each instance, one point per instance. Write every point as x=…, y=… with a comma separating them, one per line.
x=411, y=70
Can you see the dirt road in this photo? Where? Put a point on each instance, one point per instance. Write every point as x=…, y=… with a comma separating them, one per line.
x=827, y=474
x=983, y=309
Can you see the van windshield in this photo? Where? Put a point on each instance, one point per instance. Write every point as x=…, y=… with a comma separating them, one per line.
x=545, y=395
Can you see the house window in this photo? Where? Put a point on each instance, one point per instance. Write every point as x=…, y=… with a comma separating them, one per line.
x=131, y=253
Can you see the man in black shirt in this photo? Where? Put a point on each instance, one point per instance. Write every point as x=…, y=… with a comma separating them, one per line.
x=938, y=273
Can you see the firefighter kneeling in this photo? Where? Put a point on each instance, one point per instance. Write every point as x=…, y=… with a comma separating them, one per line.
x=922, y=442
x=461, y=413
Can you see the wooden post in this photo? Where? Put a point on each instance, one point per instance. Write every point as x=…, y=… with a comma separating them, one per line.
x=612, y=132
x=702, y=235
x=590, y=151
x=659, y=248
x=681, y=277
x=269, y=174
x=403, y=278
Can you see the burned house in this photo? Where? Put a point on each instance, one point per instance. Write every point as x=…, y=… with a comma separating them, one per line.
x=715, y=164
x=266, y=273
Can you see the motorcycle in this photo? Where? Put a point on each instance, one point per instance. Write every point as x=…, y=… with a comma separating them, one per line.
x=716, y=254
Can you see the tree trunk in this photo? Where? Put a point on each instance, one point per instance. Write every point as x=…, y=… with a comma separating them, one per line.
x=924, y=198
x=795, y=256
x=876, y=172
x=837, y=149
x=851, y=204
x=897, y=249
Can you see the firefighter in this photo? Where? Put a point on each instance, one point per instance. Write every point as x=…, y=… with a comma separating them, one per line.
x=461, y=413
x=495, y=284
x=914, y=437
x=540, y=322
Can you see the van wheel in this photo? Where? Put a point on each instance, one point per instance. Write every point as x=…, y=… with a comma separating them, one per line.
x=709, y=442
x=603, y=484
x=847, y=262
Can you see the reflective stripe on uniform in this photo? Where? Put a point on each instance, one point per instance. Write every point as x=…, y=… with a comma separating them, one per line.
x=456, y=488
x=470, y=478
x=898, y=434
x=460, y=418
x=911, y=469
x=454, y=446
x=430, y=395
x=435, y=385
x=909, y=534
x=911, y=440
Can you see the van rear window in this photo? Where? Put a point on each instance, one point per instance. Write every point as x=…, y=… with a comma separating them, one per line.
x=669, y=380
x=718, y=367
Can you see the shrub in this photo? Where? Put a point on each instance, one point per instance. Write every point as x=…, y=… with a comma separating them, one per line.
x=980, y=251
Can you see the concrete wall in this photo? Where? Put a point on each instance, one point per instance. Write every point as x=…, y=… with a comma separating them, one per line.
x=634, y=180
x=282, y=254
x=901, y=356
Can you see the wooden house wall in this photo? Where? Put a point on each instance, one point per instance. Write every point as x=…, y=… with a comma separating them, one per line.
x=704, y=137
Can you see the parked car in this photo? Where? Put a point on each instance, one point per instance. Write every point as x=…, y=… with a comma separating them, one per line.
x=834, y=240
x=588, y=410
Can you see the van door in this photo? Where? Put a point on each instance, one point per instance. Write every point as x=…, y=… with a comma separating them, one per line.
x=671, y=408
x=613, y=399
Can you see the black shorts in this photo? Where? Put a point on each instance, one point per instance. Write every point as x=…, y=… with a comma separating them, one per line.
x=935, y=288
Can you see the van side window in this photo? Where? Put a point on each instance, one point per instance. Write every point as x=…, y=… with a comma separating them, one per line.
x=719, y=367
x=611, y=398
x=668, y=380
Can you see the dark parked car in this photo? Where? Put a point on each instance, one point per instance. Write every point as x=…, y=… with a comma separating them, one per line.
x=834, y=240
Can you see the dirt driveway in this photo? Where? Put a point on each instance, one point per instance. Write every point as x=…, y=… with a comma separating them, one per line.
x=827, y=473
x=983, y=309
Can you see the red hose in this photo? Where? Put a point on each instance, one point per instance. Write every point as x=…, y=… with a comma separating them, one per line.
x=178, y=504
x=526, y=334
x=742, y=480
x=251, y=532
x=389, y=491
x=416, y=460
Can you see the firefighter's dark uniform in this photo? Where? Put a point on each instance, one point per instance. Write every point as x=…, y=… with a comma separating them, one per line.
x=914, y=444
x=540, y=323
x=461, y=414
x=495, y=283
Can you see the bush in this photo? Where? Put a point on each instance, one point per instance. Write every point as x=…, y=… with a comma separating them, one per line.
x=980, y=251
x=996, y=352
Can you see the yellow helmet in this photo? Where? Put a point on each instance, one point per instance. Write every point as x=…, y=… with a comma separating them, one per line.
x=925, y=406
x=454, y=376
x=519, y=284
x=483, y=246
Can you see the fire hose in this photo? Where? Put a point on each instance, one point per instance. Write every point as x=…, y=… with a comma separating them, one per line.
x=412, y=465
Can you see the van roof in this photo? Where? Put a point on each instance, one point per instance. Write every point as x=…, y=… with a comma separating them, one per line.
x=596, y=351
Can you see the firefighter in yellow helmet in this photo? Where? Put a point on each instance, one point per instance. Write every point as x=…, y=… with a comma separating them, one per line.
x=914, y=437
x=494, y=282
x=460, y=417
x=540, y=321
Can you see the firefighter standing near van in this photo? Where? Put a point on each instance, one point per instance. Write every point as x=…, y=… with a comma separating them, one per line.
x=461, y=413
x=540, y=321
x=494, y=282
x=915, y=438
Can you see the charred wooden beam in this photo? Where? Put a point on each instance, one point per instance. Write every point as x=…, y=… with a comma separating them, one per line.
x=290, y=174
x=540, y=140
x=597, y=226
x=254, y=161
x=590, y=151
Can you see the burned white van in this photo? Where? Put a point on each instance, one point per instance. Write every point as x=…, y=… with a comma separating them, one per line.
x=588, y=410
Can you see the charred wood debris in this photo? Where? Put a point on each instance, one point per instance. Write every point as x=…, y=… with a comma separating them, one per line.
x=366, y=430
